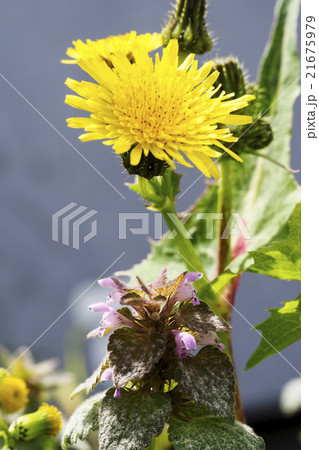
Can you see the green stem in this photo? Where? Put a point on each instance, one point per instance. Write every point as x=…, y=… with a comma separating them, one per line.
x=224, y=258
x=225, y=207
x=183, y=243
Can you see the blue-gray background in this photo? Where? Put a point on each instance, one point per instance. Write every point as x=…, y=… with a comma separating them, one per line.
x=41, y=173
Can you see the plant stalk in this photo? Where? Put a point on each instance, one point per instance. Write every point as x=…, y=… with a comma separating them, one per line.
x=224, y=258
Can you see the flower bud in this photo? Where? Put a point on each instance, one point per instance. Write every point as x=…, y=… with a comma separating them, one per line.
x=45, y=421
x=259, y=135
x=231, y=76
x=187, y=25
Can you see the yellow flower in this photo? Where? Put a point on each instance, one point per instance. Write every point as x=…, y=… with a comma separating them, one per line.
x=157, y=108
x=45, y=421
x=14, y=393
x=103, y=49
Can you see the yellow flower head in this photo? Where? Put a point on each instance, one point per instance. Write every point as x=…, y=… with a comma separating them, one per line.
x=157, y=108
x=45, y=421
x=103, y=49
x=14, y=394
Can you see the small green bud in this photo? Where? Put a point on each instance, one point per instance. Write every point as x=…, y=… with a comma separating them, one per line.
x=259, y=135
x=231, y=76
x=187, y=25
x=148, y=167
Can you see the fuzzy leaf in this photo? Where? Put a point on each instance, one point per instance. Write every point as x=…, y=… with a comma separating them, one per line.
x=213, y=433
x=92, y=380
x=282, y=259
x=132, y=355
x=280, y=330
x=129, y=422
x=84, y=420
x=208, y=379
x=200, y=318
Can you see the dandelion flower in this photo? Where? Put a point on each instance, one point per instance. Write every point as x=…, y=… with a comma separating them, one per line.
x=157, y=108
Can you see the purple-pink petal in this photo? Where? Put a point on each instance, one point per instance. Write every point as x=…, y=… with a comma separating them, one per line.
x=185, y=342
x=221, y=347
x=107, y=374
x=117, y=393
x=99, y=307
x=107, y=283
x=195, y=301
x=184, y=292
x=112, y=319
x=190, y=277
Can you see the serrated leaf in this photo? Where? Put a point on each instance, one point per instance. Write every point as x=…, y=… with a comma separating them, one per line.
x=208, y=379
x=200, y=318
x=282, y=259
x=84, y=420
x=129, y=422
x=280, y=330
x=213, y=433
x=89, y=384
x=132, y=355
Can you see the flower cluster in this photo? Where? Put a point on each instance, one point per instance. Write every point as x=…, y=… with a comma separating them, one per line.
x=159, y=323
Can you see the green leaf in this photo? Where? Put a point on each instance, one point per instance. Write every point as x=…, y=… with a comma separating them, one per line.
x=213, y=433
x=89, y=384
x=280, y=330
x=282, y=259
x=132, y=355
x=200, y=318
x=280, y=64
x=84, y=420
x=129, y=422
x=208, y=378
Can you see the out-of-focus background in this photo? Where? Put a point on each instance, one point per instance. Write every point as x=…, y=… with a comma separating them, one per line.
x=42, y=171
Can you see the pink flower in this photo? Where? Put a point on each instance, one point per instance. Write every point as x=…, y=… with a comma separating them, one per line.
x=111, y=318
x=209, y=338
x=186, y=290
x=185, y=342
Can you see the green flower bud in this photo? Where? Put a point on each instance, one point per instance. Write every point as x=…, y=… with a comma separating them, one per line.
x=231, y=76
x=258, y=136
x=45, y=421
x=148, y=167
x=187, y=25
